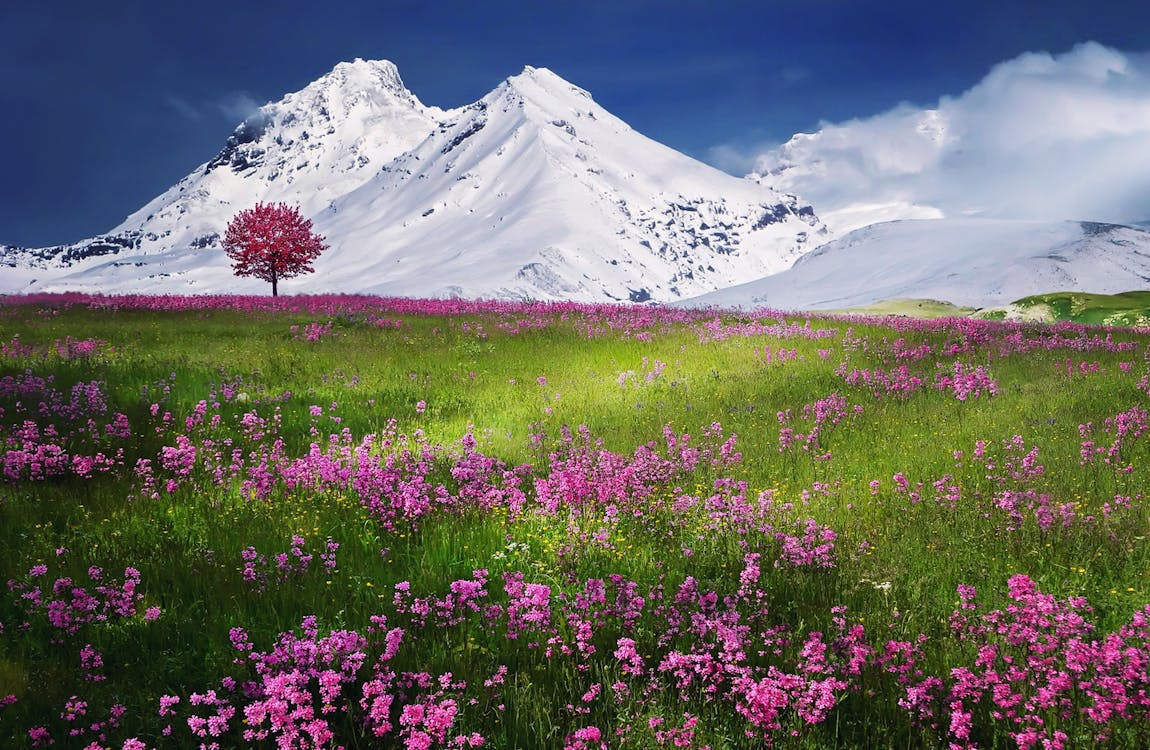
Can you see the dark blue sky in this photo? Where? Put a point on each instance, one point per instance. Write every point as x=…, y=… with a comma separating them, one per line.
x=103, y=105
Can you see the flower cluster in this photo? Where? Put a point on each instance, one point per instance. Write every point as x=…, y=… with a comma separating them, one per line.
x=46, y=431
x=285, y=566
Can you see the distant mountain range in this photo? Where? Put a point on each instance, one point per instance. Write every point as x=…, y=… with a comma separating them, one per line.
x=534, y=191
x=537, y=192
x=969, y=262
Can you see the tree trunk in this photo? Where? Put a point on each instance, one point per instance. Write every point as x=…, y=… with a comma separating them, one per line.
x=275, y=293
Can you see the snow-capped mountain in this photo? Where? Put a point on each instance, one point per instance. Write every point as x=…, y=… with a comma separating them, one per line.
x=534, y=191
x=307, y=149
x=969, y=262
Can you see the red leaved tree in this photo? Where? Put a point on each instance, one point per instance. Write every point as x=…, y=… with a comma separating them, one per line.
x=271, y=242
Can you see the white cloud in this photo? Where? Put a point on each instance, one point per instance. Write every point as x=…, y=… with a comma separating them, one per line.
x=235, y=106
x=238, y=105
x=1041, y=136
x=735, y=158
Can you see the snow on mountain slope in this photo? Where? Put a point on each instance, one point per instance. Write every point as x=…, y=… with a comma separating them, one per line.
x=535, y=191
x=969, y=262
x=307, y=149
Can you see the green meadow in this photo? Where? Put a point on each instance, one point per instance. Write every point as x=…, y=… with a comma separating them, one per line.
x=384, y=524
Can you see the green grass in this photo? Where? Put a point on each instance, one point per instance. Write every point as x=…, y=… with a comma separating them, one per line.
x=1126, y=309
x=1131, y=309
x=898, y=562
x=911, y=308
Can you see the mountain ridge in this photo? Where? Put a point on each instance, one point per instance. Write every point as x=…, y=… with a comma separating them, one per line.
x=418, y=200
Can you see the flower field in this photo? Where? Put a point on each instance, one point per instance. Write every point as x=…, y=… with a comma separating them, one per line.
x=319, y=522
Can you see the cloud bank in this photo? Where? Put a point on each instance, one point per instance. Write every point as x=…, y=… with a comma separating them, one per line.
x=1040, y=137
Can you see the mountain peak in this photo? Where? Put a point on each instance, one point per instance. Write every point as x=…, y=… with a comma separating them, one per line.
x=532, y=82
x=353, y=82
x=377, y=72
x=358, y=113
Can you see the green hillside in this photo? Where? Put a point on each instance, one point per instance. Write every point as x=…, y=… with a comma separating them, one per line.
x=1127, y=309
